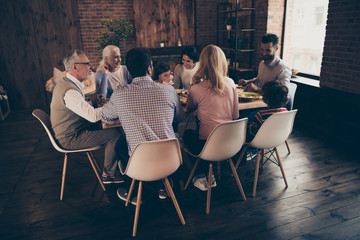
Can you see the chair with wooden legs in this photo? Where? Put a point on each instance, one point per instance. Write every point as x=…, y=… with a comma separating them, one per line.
x=45, y=122
x=153, y=161
x=223, y=143
x=273, y=132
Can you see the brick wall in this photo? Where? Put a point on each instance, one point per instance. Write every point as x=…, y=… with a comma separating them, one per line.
x=340, y=66
x=91, y=13
x=206, y=20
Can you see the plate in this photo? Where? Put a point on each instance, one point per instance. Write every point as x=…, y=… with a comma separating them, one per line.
x=249, y=96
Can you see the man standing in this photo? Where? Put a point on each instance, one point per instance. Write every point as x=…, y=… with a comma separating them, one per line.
x=147, y=110
x=71, y=115
x=271, y=68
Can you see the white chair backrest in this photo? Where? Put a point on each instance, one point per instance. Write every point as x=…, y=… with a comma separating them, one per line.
x=275, y=130
x=292, y=91
x=225, y=141
x=154, y=160
x=45, y=121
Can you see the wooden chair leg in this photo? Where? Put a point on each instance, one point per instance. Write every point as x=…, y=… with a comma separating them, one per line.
x=243, y=151
x=93, y=164
x=63, y=177
x=281, y=167
x=192, y=173
x=237, y=179
x=256, y=172
x=262, y=158
x=172, y=195
x=137, y=210
x=130, y=192
x=287, y=146
x=209, y=189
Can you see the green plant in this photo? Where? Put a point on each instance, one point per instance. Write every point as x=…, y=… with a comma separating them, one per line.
x=162, y=41
x=118, y=31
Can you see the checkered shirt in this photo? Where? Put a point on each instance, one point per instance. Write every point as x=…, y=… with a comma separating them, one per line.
x=146, y=110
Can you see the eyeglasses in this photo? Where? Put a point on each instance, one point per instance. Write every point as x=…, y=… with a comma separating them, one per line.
x=85, y=63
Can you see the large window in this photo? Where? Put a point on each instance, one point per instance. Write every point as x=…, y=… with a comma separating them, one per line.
x=305, y=25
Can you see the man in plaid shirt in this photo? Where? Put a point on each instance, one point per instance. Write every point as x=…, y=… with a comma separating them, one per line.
x=147, y=110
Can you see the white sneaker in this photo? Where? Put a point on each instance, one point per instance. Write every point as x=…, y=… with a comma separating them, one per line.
x=201, y=183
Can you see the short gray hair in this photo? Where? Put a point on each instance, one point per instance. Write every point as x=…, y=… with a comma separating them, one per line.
x=70, y=58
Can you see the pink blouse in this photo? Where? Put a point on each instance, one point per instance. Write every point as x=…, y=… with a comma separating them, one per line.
x=213, y=109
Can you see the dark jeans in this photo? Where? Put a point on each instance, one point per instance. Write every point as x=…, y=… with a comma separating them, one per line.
x=195, y=146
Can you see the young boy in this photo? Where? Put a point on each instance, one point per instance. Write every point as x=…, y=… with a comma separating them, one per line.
x=275, y=96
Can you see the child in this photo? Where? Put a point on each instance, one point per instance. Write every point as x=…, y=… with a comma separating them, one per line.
x=275, y=95
x=163, y=74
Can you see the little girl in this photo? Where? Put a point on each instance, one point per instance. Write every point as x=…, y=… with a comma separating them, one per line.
x=163, y=74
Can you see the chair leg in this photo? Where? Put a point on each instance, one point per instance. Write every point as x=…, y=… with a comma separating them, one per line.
x=237, y=179
x=192, y=173
x=262, y=159
x=130, y=192
x=281, y=167
x=256, y=172
x=137, y=210
x=93, y=164
x=172, y=195
x=209, y=189
x=243, y=151
x=287, y=146
x=63, y=177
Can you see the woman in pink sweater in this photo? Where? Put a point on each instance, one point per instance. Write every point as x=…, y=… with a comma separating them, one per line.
x=213, y=95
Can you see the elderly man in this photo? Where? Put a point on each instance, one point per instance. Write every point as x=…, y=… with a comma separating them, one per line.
x=71, y=115
x=271, y=68
x=147, y=110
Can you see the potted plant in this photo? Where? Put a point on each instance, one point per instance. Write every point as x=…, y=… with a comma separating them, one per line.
x=162, y=43
x=119, y=30
x=229, y=23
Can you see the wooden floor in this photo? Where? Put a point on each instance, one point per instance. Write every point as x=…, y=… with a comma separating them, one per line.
x=321, y=202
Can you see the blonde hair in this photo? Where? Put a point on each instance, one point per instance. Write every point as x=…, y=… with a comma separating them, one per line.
x=107, y=51
x=213, y=67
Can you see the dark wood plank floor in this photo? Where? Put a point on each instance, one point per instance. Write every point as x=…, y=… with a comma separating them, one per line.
x=321, y=202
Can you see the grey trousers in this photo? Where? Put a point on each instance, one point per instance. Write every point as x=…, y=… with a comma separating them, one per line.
x=86, y=138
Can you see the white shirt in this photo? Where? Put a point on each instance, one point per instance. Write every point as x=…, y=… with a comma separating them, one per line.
x=117, y=78
x=76, y=102
x=183, y=75
x=275, y=70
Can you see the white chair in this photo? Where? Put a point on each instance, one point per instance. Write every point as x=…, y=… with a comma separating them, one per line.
x=290, y=104
x=45, y=121
x=222, y=144
x=273, y=132
x=152, y=161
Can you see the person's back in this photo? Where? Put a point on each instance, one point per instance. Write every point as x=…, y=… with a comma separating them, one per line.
x=213, y=108
x=145, y=108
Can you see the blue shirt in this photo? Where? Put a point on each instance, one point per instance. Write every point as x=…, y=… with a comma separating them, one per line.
x=146, y=110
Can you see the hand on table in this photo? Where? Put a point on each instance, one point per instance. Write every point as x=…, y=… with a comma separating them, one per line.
x=252, y=88
x=242, y=82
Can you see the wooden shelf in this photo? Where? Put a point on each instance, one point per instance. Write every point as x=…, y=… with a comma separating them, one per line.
x=234, y=10
x=239, y=50
x=241, y=30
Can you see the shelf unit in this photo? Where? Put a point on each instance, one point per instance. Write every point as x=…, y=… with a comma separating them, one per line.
x=237, y=43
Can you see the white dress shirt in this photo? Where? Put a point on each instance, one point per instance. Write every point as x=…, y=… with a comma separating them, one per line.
x=275, y=70
x=76, y=102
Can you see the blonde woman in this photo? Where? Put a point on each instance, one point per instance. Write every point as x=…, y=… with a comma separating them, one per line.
x=110, y=75
x=215, y=98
